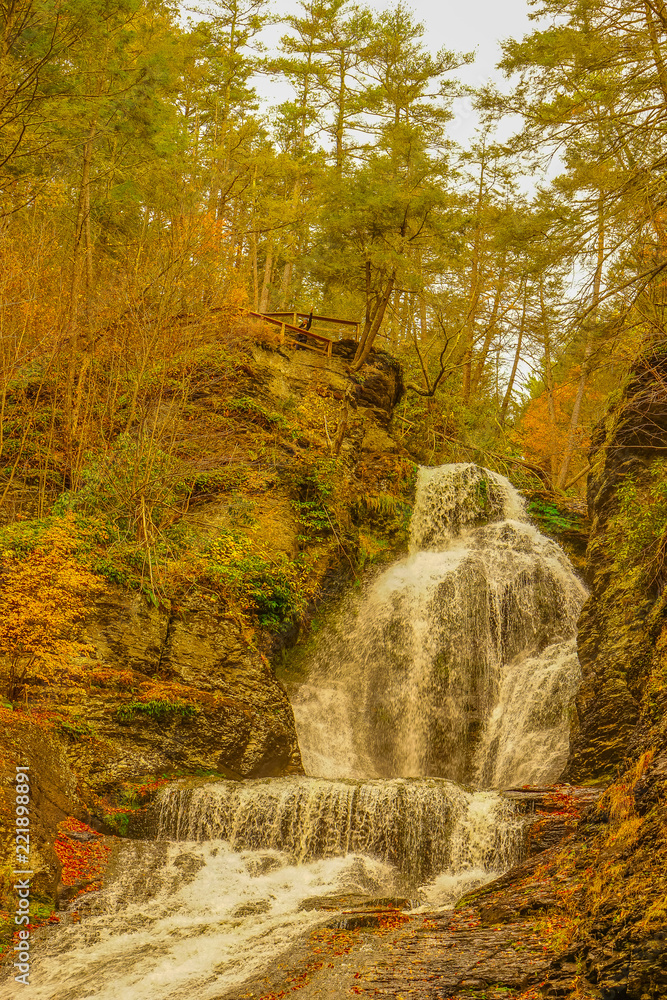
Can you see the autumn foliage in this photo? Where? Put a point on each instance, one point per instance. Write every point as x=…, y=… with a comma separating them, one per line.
x=44, y=600
x=81, y=861
x=543, y=429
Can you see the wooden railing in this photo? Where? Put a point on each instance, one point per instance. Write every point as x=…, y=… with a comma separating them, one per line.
x=292, y=334
x=332, y=320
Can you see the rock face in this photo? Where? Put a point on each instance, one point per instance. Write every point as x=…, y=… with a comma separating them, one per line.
x=623, y=617
x=187, y=687
x=53, y=796
x=621, y=725
x=243, y=726
x=372, y=395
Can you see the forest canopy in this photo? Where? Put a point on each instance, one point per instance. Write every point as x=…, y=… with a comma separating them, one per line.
x=145, y=188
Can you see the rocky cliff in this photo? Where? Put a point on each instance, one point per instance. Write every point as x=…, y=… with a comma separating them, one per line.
x=622, y=705
x=616, y=861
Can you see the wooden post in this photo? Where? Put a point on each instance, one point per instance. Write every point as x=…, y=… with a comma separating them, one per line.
x=282, y=334
x=294, y=319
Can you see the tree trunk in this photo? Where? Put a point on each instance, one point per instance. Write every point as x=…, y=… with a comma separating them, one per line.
x=401, y=327
x=469, y=339
x=266, y=284
x=373, y=322
x=588, y=350
x=82, y=236
x=548, y=376
x=82, y=233
x=517, y=356
x=423, y=321
x=285, y=284
x=255, y=275
x=488, y=336
x=340, y=115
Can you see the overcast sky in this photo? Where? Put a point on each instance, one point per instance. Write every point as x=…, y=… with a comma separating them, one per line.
x=459, y=25
x=467, y=26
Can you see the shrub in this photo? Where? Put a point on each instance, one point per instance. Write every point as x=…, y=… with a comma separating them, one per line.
x=550, y=517
x=275, y=592
x=134, y=493
x=249, y=410
x=314, y=504
x=158, y=709
x=45, y=596
x=639, y=529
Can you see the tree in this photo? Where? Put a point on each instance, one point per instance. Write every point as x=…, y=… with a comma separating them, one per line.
x=383, y=217
x=45, y=597
x=376, y=220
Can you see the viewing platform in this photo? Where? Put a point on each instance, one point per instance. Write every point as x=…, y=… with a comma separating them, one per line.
x=292, y=334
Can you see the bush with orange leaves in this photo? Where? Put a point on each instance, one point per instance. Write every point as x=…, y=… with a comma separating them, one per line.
x=542, y=432
x=45, y=593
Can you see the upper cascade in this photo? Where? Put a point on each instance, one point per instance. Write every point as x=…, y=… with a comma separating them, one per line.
x=459, y=660
x=453, y=498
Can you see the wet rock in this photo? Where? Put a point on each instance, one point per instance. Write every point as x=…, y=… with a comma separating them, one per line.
x=621, y=620
x=422, y=956
x=81, y=835
x=252, y=909
x=651, y=788
x=243, y=724
x=127, y=631
x=376, y=390
x=53, y=794
x=554, y=812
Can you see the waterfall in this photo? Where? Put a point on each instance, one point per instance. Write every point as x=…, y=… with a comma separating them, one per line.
x=456, y=666
x=419, y=827
x=239, y=873
x=458, y=661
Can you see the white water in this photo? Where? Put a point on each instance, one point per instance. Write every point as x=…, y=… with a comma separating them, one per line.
x=420, y=827
x=526, y=738
x=241, y=872
x=457, y=663
x=185, y=920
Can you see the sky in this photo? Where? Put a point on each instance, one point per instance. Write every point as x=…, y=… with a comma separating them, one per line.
x=472, y=25
x=461, y=26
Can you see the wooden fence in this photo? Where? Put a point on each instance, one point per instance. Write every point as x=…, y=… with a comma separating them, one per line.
x=294, y=335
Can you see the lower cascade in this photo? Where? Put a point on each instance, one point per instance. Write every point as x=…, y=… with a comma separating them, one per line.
x=450, y=678
x=420, y=827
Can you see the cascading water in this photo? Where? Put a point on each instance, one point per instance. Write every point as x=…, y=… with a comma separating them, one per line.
x=457, y=664
x=420, y=827
x=459, y=660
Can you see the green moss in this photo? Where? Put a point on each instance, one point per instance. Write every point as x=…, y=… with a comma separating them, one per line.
x=216, y=481
x=156, y=709
x=551, y=518
x=388, y=515
x=251, y=411
x=313, y=487
x=639, y=529
x=274, y=591
x=119, y=822
x=482, y=489
x=76, y=730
